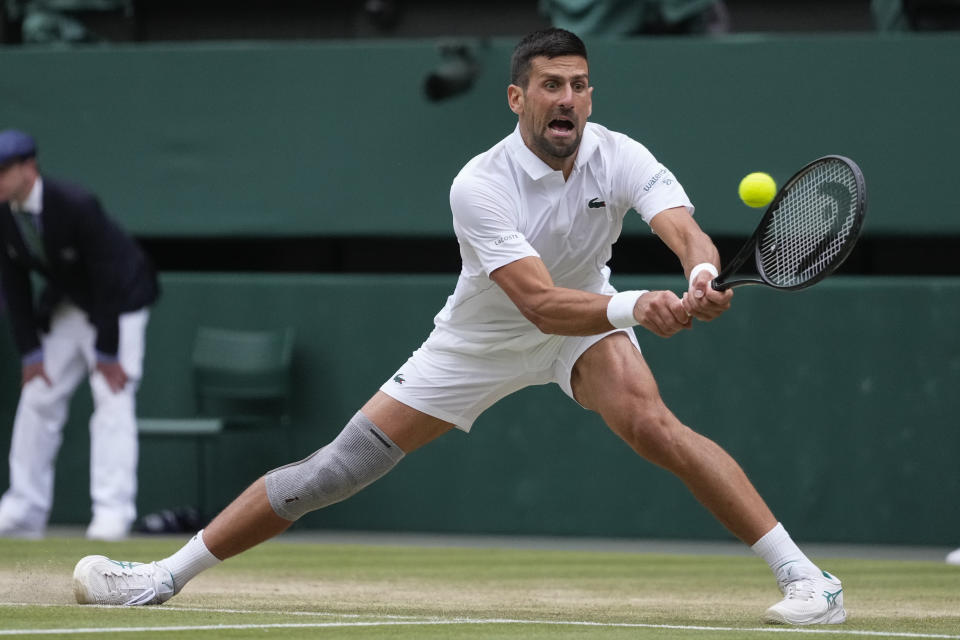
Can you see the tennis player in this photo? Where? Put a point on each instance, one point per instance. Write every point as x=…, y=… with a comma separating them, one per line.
x=536, y=217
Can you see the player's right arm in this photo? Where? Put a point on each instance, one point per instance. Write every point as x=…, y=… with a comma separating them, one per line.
x=571, y=312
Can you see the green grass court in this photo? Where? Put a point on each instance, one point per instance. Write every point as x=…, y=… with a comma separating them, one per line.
x=285, y=589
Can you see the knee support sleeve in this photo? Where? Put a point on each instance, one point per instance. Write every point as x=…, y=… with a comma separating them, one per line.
x=358, y=456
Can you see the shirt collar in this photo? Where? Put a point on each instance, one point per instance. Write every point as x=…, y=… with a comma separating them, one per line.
x=537, y=168
x=534, y=166
x=589, y=143
x=34, y=202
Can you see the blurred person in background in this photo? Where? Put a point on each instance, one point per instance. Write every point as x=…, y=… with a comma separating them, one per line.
x=638, y=17
x=915, y=15
x=89, y=322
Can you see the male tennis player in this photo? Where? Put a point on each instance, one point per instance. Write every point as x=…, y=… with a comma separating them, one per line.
x=536, y=217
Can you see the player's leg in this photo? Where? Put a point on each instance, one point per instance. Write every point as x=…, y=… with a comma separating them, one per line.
x=37, y=435
x=371, y=444
x=253, y=518
x=431, y=393
x=113, y=433
x=612, y=378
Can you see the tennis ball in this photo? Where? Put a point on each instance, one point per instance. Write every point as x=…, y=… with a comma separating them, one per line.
x=757, y=189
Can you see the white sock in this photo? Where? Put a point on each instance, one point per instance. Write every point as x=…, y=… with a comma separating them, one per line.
x=191, y=559
x=786, y=560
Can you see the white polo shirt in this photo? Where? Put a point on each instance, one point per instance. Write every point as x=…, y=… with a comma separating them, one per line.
x=508, y=204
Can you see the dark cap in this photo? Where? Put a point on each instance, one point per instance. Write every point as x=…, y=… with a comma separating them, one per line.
x=16, y=145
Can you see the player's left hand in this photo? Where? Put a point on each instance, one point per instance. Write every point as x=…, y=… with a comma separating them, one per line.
x=702, y=301
x=114, y=374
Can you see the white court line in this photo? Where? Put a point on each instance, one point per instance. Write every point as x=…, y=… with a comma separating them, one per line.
x=174, y=608
x=462, y=621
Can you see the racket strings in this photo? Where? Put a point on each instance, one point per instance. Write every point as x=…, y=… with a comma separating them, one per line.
x=810, y=225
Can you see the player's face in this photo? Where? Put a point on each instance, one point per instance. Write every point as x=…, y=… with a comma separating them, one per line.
x=553, y=108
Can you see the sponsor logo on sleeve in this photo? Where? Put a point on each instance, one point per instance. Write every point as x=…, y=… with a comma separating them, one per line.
x=654, y=179
x=508, y=238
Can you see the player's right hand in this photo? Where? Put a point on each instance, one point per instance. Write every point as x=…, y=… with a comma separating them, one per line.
x=662, y=313
x=31, y=371
x=703, y=302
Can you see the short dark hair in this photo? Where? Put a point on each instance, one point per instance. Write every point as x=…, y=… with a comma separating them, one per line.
x=550, y=43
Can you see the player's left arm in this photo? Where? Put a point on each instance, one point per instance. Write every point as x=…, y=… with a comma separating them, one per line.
x=681, y=233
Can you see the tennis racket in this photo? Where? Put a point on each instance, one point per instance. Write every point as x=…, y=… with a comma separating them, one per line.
x=807, y=231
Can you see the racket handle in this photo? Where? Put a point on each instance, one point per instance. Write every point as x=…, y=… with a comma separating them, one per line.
x=719, y=286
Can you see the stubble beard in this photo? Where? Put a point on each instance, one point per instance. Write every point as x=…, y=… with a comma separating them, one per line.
x=548, y=148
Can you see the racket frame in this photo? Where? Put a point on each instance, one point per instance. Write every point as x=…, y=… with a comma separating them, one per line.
x=752, y=246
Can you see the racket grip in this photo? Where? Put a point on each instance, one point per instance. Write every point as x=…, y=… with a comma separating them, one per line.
x=719, y=286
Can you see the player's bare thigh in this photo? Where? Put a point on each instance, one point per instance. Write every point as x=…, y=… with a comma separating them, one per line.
x=408, y=428
x=613, y=379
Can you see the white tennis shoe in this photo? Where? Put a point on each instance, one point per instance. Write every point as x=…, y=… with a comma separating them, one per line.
x=814, y=600
x=100, y=580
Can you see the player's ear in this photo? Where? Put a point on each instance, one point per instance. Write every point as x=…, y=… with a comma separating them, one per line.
x=590, y=105
x=515, y=99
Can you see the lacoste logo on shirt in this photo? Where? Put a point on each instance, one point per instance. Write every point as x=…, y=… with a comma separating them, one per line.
x=596, y=203
x=399, y=378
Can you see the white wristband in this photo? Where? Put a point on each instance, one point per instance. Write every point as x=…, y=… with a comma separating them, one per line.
x=703, y=266
x=620, y=308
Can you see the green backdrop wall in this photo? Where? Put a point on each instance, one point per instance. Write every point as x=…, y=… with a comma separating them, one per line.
x=839, y=402
x=337, y=138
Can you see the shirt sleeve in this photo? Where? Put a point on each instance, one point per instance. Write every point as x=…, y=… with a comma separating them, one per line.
x=18, y=292
x=485, y=219
x=650, y=187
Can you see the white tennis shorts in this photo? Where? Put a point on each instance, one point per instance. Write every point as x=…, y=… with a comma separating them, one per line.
x=457, y=387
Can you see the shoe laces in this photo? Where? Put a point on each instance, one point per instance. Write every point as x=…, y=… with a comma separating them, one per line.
x=803, y=589
x=135, y=581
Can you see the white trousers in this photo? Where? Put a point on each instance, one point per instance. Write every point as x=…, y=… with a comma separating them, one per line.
x=69, y=357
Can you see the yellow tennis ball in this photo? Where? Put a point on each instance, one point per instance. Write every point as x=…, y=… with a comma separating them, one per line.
x=757, y=189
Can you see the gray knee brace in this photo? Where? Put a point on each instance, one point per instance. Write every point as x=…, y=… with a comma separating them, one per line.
x=358, y=456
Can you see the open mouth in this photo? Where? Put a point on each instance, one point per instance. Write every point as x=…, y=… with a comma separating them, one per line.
x=560, y=126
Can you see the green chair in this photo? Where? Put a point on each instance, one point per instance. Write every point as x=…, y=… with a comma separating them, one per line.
x=241, y=380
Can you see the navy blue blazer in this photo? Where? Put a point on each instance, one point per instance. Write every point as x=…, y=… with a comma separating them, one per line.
x=91, y=262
